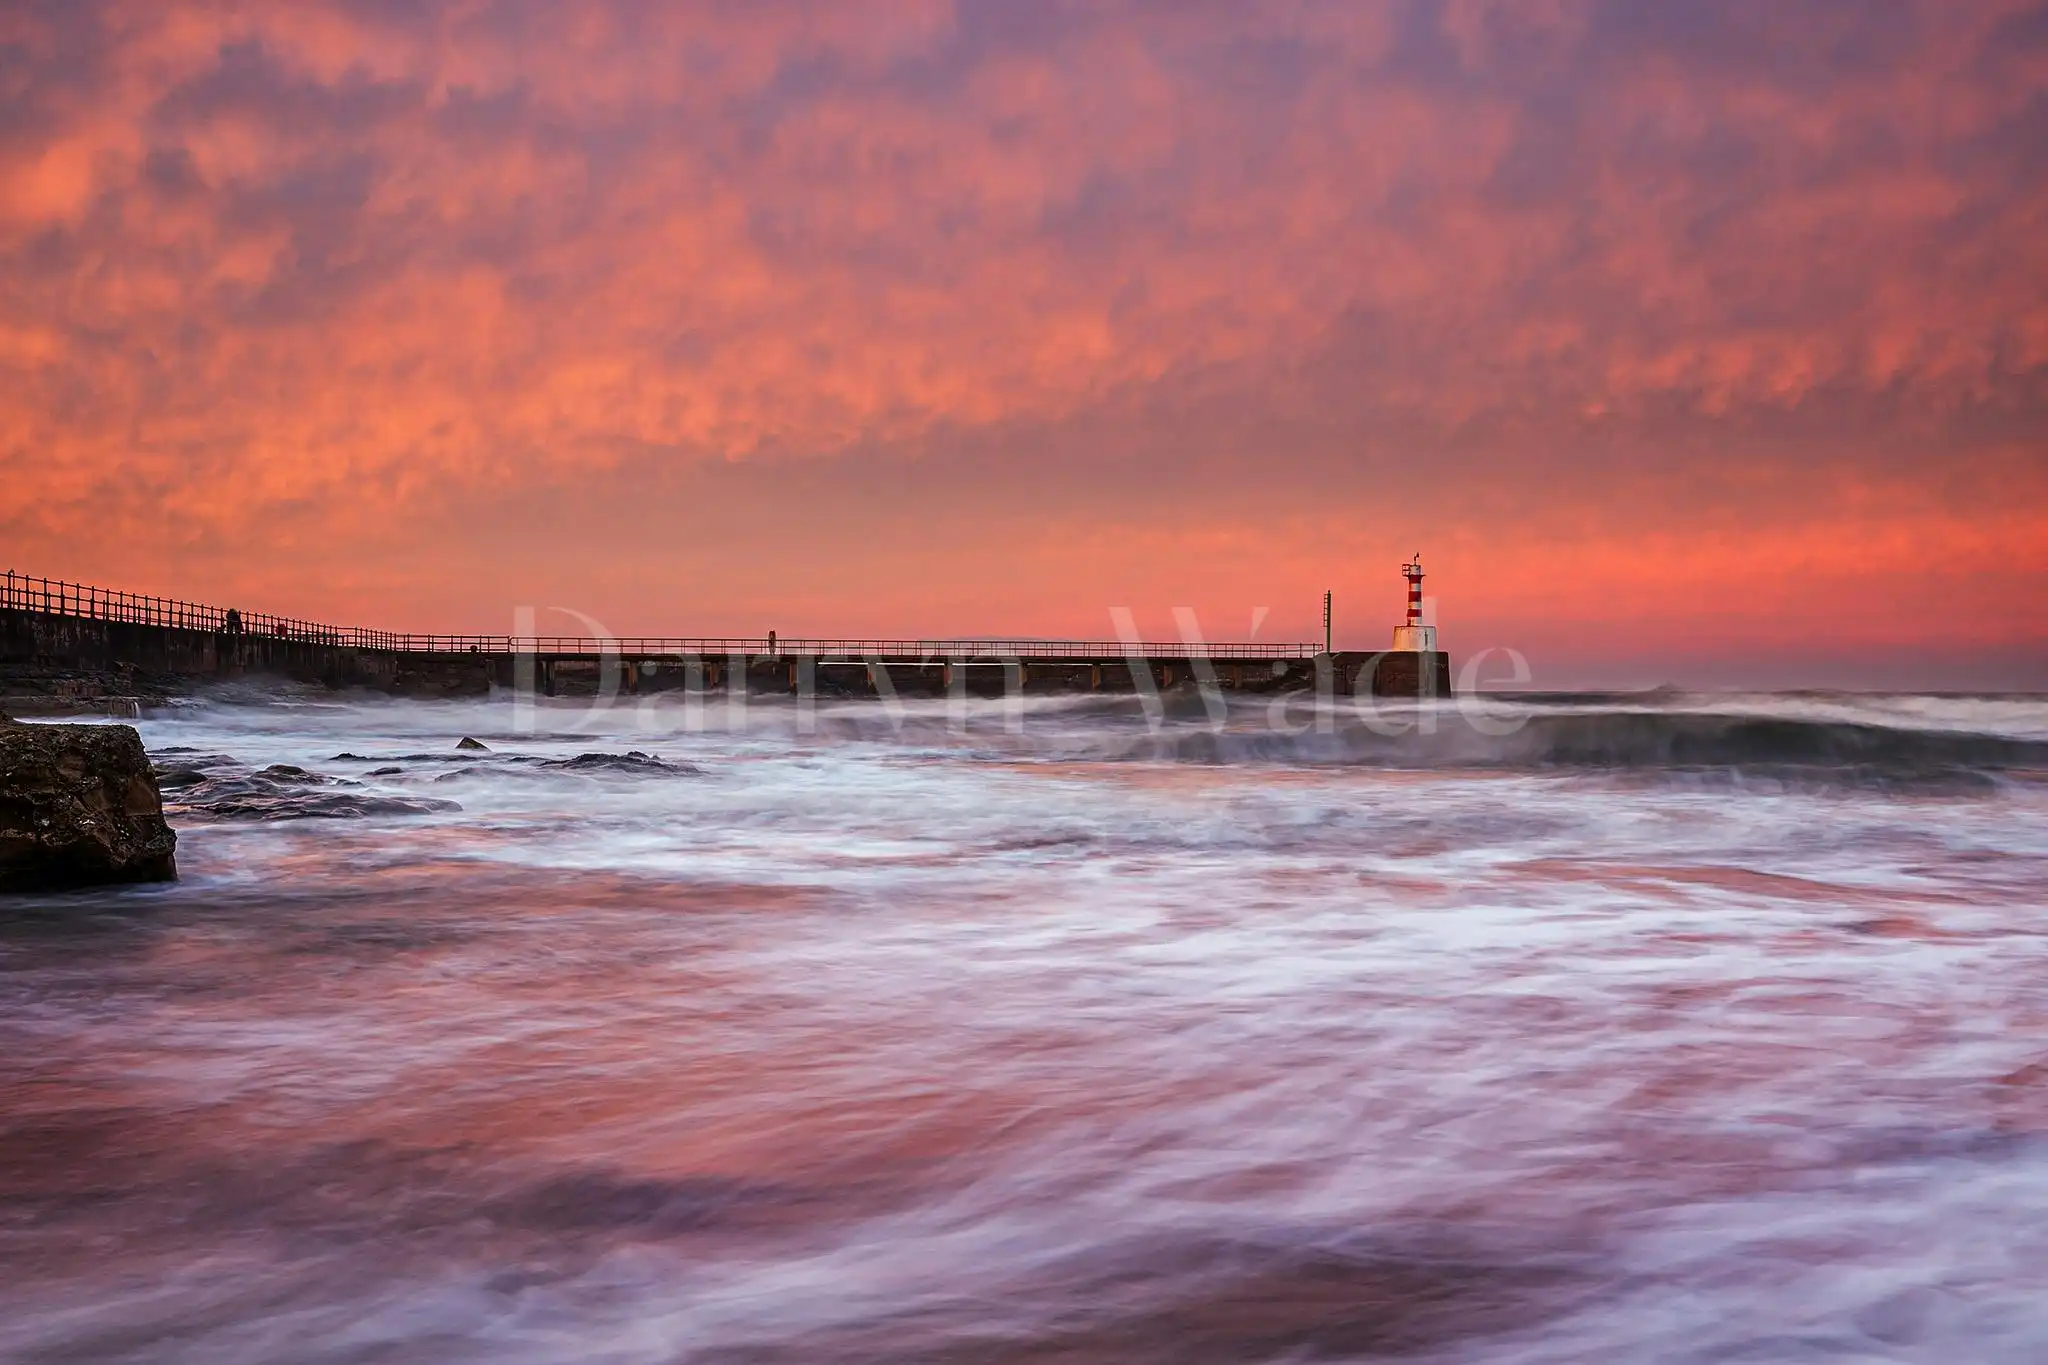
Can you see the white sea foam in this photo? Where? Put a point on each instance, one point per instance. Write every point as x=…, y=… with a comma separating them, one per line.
x=1667, y=1028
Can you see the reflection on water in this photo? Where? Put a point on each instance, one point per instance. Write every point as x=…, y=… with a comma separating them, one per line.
x=1713, y=1032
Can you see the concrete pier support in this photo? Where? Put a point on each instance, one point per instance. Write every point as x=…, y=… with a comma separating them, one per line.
x=1406, y=673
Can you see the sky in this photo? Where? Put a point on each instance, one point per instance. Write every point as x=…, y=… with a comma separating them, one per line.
x=1691, y=343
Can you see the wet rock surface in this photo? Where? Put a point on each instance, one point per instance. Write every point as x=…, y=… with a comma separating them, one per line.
x=220, y=787
x=31, y=687
x=632, y=761
x=79, y=806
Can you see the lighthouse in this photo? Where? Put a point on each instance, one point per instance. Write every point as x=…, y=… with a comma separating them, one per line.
x=1411, y=635
x=1414, y=667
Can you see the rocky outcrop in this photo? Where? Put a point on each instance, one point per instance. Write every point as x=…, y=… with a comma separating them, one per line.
x=34, y=687
x=79, y=807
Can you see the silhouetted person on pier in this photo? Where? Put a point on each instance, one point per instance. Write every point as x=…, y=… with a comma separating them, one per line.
x=233, y=625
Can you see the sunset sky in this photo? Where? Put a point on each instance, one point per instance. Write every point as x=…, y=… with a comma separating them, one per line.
x=1690, y=342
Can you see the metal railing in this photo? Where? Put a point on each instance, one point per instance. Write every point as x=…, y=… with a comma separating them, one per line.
x=54, y=597
x=825, y=651
x=58, y=598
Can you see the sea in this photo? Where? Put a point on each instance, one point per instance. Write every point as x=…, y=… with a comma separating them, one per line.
x=1665, y=1027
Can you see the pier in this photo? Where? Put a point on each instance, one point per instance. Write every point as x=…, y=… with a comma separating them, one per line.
x=49, y=624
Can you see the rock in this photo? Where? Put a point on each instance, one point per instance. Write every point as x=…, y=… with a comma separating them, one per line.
x=43, y=688
x=632, y=761
x=467, y=743
x=79, y=806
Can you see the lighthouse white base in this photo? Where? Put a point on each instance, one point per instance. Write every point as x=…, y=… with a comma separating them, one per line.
x=1420, y=639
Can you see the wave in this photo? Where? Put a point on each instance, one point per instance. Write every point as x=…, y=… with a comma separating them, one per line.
x=1922, y=742
x=1709, y=740
x=1627, y=741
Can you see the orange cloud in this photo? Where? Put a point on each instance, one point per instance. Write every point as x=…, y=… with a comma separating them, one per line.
x=303, y=279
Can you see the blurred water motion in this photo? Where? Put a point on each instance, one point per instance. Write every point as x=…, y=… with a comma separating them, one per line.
x=1697, y=1029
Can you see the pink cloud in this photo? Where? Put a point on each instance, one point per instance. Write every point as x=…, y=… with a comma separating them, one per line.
x=337, y=267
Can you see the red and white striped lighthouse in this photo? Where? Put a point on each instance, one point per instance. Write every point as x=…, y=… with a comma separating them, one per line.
x=1411, y=634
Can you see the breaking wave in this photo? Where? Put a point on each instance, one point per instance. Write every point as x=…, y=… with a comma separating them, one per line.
x=1683, y=742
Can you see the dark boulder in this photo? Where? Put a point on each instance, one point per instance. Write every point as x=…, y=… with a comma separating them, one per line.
x=632, y=761
x=79, y=806
x=473, y=744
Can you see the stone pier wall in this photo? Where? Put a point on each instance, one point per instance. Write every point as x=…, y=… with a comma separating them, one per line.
x=32, y=640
